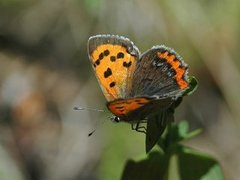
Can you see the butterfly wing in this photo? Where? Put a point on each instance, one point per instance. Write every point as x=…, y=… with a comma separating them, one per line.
x=137, y=108
x=160, y=72
x=155, y=127
x=114, y=60
x=122, y=107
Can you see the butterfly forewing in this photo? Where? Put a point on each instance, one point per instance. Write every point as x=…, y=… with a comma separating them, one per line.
x=114, y=60
x=160, y=72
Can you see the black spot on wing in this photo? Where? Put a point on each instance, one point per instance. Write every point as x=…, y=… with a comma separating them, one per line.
x=112, y=84
x=175, y=59
x=141, y=103
x=128, y=102
x=162, y=64
x=138, y=100
x=119, y=107
x=97, y=62
x=125, y=64
x=158, y=62
x=112, y=58
x=120, y=55
x=106, y=52
x=100, y=57
x=167, y=67
x=107, y=73
x=171, y=72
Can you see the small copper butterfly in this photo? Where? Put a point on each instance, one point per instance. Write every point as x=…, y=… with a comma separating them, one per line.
x=137, y=86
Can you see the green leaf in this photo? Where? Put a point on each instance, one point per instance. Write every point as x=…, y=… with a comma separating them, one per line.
x=154, y=167
x=182, y=128
x=193, y=86
x=177, y=133
x=182, y=163
x=193, y=165
x=193, y=134
x=176, y=161
x=182, y=131
x=172, y=171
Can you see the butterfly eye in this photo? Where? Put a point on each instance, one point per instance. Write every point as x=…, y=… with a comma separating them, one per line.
x=115, y=119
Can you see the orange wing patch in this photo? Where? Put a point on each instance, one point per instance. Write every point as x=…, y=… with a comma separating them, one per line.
x=124, y=106
x=114, y=67
x=175, y=63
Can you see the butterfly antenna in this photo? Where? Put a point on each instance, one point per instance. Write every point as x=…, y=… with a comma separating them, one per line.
x=91, y=133
x=91, y=109
x=99, y=124
x=88, y=109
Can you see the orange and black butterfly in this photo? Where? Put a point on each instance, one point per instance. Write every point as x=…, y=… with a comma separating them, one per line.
x=138, y=87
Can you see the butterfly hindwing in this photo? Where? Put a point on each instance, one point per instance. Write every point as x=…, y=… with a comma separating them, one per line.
x=123, y=107
x=156, y=126
x=138, y=108
x=160, y=72
x=114, y=60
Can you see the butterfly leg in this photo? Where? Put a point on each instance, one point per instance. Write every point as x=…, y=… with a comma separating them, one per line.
x=139, y=128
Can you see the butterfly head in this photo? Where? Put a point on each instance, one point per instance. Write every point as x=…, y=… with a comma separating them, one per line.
x=115, y=119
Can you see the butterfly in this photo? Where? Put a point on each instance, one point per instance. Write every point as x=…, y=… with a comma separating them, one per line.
x=138, y=87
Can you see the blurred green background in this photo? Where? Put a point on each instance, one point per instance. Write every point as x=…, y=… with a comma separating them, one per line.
x=45, y=72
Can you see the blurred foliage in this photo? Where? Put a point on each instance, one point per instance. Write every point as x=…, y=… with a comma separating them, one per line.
x=45, y=72
x=174, y=161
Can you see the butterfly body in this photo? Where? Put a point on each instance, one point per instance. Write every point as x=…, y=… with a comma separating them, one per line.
x=137, y=86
